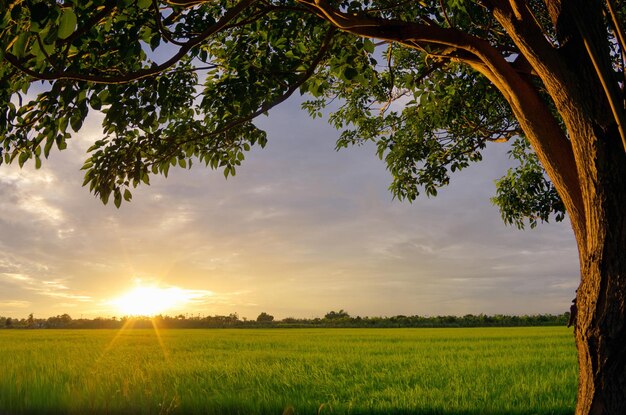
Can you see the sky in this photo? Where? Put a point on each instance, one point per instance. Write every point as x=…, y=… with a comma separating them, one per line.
x=300, y=230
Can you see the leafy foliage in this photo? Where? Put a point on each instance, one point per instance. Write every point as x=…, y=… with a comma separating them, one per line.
x=183, y=81
x=525, y=194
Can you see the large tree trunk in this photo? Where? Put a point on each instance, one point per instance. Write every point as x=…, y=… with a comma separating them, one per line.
x=600, y=329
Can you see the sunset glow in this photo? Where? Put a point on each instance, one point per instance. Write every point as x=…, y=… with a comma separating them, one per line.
x=148, y=300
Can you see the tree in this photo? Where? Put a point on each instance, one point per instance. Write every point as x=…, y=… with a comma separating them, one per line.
x=431, y=82
x=265, y=318
x=337, y=315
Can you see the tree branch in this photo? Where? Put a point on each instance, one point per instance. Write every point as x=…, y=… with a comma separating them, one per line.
x=557, y=154
x=542, y=129
x=268, y=105
x=145, y=73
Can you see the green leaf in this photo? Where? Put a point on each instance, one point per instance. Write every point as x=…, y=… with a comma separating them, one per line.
x=67, y=23
x=36, y=50
x=19, y=46
x=48, y=146
x=103, y=96
x=127, y=195
x=50, y=35
x=76, y=121
x=61, y=144
x=117, y=198
x=144, y=4
x=23, y=157
x=95, y=102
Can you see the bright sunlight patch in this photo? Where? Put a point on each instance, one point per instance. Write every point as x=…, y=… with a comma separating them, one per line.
x=149, y=300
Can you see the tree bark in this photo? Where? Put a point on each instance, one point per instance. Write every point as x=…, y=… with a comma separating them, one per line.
x=600, y=328
x=574, y=81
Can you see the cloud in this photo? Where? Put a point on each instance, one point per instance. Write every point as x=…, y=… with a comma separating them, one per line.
x=38, y=207
x=26, y=177
x=13, y=304
x=301, y=229
x=18, y=277
x=56, y=289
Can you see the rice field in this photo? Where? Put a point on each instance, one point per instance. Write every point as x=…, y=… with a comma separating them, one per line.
x=289, y=371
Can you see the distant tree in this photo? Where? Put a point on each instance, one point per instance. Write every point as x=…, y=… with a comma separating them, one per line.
x=9, y=322
x=58, y=321
x=65, y=318
x=265, y=318
x=336, y=315
x=30, y=321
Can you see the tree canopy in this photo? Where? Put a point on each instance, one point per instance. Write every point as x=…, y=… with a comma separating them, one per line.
x=182, y=81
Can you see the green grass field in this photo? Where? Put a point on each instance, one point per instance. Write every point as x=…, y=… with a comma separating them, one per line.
x=299, y=371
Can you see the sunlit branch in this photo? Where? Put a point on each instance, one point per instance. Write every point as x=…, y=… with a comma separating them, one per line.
x=608, y=86
x=549, y=141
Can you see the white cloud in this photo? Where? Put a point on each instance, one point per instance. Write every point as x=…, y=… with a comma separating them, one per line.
x=264, y=214
x=26, y=177
x=56, y=288
x=38, y=206
x=18, y=277
x=12, y=304
x=59, y=294
x=65, y=233
x=176, y=218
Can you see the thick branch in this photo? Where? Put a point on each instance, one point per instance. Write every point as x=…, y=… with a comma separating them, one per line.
x=542, y=129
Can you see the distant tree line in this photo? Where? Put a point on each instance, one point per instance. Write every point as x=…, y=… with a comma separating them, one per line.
x=332, y=319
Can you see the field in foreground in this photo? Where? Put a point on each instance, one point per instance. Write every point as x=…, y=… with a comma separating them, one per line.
x=299, y=371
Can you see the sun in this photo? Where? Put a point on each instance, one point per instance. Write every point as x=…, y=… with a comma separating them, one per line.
x=149, y=300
